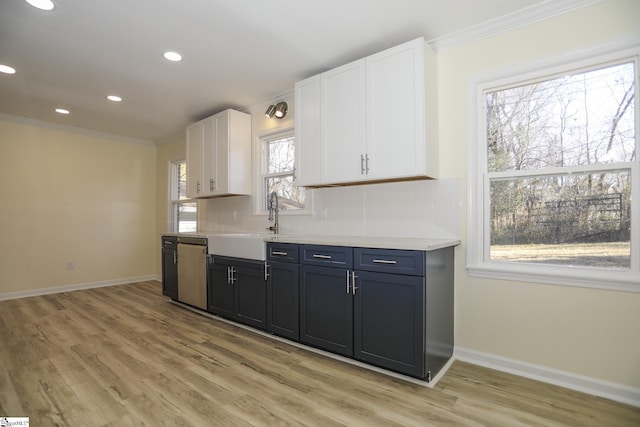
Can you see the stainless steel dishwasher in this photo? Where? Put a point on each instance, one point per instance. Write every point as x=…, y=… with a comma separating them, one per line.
x=192, y=271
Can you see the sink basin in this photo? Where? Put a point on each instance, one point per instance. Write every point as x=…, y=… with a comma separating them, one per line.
x=239, y=245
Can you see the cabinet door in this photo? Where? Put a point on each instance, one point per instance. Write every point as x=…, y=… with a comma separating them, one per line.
x=308, y=140
x=209, y=158
x=169, y=273
x=283, y=300
x=343, y=126
x=221, y=291
x=326, y=309
x=389, y=321
x=396, y=112
x=219, y=161
x=194, y=159
x=251, y=295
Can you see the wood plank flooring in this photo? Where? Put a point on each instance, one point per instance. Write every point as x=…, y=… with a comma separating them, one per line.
x=126, y=356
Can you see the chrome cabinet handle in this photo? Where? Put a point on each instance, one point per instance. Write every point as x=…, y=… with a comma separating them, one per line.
x=212, y=184
x=364, y=164
x=279, y=253
x=230, y=273
x=197, y=186
x=348, y=281
x=175, y=257
x=266, y=271
x=322, y=256
x=353, y=282
x=384, y=261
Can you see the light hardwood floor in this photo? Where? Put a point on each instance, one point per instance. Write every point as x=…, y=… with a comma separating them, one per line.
x=125, y=355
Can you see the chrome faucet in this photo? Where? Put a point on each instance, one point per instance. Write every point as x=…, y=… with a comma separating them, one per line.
x=273, y=212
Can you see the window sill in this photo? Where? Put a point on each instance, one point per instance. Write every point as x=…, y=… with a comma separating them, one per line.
x=611, y=280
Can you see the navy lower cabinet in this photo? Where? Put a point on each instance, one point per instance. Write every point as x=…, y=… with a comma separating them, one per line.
x=170, y=267
x=386, y=307
x=389, y=321
x=390, y=308
x=238, y=290
x=326, y=302
x=282, y=290
x=326, y=309
x=221, y=295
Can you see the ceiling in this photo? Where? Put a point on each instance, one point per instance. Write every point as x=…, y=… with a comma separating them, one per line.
x=236, y=53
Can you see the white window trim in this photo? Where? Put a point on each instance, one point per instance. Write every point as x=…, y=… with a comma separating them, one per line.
x=478, y=263
x=260, y=172
x=173, y=203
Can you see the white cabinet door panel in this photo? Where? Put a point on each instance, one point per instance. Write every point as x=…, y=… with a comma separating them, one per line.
x=194, y=159
x=308, y=139
x=343, y=126
x=396, y=112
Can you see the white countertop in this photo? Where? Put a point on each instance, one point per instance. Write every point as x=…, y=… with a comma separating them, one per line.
x=407, y=243
x=421, y=244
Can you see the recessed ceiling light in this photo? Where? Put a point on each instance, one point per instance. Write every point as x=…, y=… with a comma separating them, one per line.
x=172, y=56
x=62, y=111
x=6, y=69
x=114, y=98
x=42, y=4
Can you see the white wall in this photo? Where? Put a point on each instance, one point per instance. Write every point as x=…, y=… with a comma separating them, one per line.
x=73, y=196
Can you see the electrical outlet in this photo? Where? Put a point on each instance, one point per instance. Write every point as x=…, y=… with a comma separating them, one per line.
x=70, y=265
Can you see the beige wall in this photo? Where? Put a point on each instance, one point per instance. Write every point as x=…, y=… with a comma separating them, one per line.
x=588, y=332
x=73, y=196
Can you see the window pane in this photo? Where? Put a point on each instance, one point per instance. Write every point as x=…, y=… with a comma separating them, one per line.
x=187, y=217
x=182, y=180
x=577, y=219
x=280, y=155
x=290, y=196
x=580, y=119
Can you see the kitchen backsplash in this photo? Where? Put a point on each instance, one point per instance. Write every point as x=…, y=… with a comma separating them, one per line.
x=425, y=208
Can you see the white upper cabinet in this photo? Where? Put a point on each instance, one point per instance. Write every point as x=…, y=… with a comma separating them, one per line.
x=377, y=119
x=342, y=123
x=307, y=114
x=219, y=155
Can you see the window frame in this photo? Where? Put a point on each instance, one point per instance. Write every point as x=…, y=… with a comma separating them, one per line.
x=261, y=191
x=174, y=200
x=478, y=212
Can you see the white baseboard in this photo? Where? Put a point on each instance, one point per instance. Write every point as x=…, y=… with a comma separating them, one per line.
x=76, y=287
x=609, y=390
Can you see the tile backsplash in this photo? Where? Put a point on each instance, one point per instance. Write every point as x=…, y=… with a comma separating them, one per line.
x=425, y=208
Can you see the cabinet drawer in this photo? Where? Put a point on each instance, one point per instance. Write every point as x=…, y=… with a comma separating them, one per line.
x=390, y=261
x=169, y=242
x=283, y=252
x=329, y=256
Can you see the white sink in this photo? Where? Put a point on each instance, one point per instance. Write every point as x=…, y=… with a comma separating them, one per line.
x=239, y=245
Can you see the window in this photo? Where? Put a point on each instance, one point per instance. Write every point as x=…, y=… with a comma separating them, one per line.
x=558, y=176
x=278, y=153
x=184, y=211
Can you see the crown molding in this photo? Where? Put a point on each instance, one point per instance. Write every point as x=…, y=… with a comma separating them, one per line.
x=529, y=15
x=76, y=130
